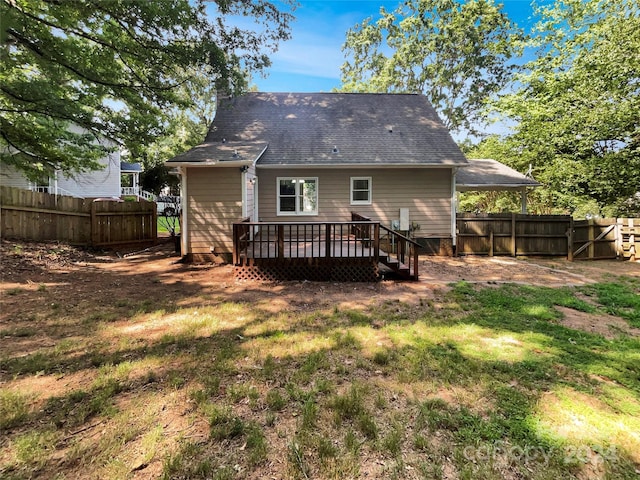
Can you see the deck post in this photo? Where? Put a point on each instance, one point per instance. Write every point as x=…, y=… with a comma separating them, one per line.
x=280, y=241
x=235, y=244
x=327, y=240
x=376, y=241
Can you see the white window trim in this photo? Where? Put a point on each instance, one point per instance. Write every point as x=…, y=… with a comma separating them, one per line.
x=360, y=202
x=298, y=211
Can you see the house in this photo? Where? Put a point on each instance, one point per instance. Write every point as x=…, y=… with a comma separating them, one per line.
x=113, y=180
x=300, y=158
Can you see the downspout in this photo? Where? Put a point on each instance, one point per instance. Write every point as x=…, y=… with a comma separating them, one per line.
x=184, y=222
x=243, y=187
x=454, y=229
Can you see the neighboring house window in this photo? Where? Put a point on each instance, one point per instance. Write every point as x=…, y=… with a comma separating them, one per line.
x=297, y=196
x=360, y=190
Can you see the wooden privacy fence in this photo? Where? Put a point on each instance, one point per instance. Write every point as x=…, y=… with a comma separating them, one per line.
x=554, y=235
x=42, y=216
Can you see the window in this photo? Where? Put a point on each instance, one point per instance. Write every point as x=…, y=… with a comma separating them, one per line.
x=297, y=196
x=360, y=190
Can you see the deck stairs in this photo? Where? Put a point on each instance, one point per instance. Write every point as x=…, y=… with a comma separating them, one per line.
x=402, y=270
x=399, y=259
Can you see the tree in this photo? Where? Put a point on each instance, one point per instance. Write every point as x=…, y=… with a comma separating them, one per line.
x=74, y=73
x=454, y=52
x=184, y=129
x=540, y=200
x=576, y=109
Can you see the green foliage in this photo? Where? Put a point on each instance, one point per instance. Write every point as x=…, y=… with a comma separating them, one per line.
x=156, y=176
x=116, y=70
x=575, y=111
x=454, y=52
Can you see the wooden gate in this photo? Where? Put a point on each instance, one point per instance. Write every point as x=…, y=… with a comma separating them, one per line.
x=593, y=239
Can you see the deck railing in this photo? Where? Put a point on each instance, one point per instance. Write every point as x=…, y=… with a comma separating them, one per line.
x=401, y=250
x=255, y=242
x=398, y=249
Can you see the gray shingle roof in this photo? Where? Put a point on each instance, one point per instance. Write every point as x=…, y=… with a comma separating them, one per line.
x=128, y=167
x=489, y=174
x=214, y=152
x=331, y=129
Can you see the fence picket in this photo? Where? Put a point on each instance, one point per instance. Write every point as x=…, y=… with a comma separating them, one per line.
x=553, y=235
x=42, y=216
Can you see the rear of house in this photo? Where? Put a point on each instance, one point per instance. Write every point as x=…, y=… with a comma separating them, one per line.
x=298, y=157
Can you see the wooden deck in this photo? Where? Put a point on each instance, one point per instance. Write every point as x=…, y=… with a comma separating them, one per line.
x=338, y=251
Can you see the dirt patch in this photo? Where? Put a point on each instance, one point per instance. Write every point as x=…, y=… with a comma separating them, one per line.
x=606, y=325
x=82, y=277
x=40, y=277
x=530, y=271
x=88, y=314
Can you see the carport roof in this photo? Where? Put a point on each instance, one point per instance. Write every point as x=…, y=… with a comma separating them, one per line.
x=489, y=174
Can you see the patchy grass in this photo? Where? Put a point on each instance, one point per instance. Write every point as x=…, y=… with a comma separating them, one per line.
x=620, y=298
x=481, y=383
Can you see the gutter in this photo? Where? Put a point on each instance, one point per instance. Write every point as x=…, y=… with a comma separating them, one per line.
x=359, y=165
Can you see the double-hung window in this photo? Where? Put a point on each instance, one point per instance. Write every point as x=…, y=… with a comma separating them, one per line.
x=360, y=190
x=297, y=196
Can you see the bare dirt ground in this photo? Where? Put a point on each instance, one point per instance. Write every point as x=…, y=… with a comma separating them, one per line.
x=81, y=278
x=40, y=279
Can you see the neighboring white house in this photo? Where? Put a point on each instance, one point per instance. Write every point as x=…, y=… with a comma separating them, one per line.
x=104, y=182
x=97, y=183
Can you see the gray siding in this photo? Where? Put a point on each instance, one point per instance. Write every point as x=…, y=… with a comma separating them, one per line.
x=104, y=182
x=214, y=202
x=10, y=177
x=426, y=192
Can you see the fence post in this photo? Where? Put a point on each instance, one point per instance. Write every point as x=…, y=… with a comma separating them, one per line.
x=491, y=243
x=95, y=237
x=513, y=235
x=591, y=232
x=154, y=222
x=632, y=241
x=570, y=241
x=619, y=239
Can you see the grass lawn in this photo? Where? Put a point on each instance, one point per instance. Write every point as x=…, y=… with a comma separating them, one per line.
x=472, y=382
x=168, y=224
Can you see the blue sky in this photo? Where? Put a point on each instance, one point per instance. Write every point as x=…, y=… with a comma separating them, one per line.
x=310, y=61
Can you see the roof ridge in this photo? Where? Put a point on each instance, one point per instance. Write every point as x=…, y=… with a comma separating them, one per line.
x=332, y=93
